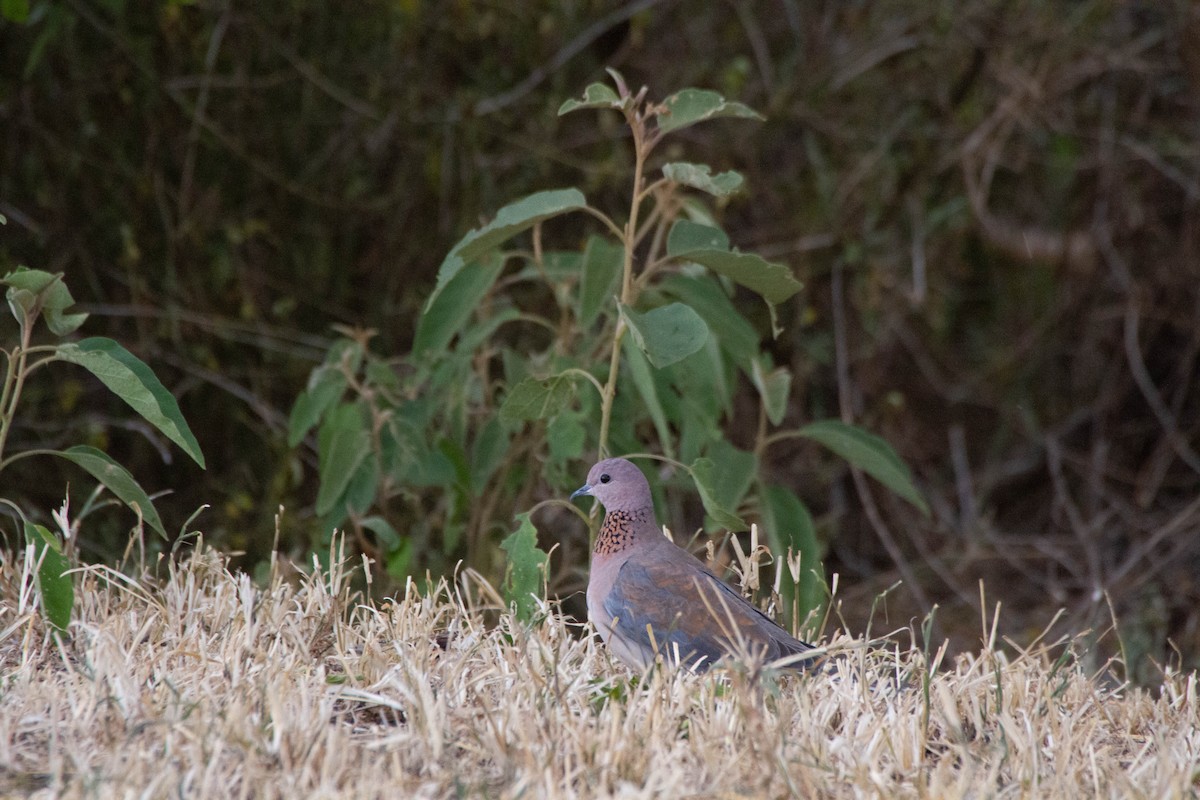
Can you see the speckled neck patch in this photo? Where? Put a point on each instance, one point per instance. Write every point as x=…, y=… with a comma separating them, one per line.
x=620, y=529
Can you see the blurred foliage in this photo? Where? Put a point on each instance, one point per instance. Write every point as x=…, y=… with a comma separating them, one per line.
x=437, y=445
x=992, y=206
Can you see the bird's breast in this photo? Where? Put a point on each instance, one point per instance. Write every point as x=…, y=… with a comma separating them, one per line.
x=620, y=529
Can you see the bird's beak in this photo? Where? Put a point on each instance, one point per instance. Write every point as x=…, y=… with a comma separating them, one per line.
x=585, y=490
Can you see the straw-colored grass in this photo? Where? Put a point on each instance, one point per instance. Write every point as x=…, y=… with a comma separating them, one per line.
x=201, y=684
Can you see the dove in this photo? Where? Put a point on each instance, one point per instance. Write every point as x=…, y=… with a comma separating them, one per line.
x=648, y=597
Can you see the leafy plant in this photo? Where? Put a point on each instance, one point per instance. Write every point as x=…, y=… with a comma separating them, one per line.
x=525, y=356
x=33, y=296
x=526, y=570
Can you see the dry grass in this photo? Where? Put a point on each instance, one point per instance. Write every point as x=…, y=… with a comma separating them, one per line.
x=202, y=684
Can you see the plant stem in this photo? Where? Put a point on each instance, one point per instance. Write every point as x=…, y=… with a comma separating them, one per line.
x=583, y=373
x=14, y=380
x=628, y=290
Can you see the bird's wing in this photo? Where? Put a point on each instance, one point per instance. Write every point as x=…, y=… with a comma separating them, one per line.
x=669, y=603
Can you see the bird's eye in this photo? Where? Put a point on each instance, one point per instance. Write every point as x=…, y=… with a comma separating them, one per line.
x=604, y=478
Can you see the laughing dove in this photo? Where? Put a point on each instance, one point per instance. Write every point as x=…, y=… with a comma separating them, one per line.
x=648, y=596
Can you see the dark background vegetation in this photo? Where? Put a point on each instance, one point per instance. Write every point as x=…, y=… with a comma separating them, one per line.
x=993, y=206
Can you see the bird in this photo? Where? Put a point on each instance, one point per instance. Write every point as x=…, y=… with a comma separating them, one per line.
x=648, y=597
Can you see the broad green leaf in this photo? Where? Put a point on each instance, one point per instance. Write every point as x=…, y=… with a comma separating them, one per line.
x=129, y=378
x=686, y=236
x=596, y=95
x=689, y=106
x=702, y=472
x=342, y=443
x=487, y=453
x=510, y=220
x=643, y=380
x=732, y=474
x=363, y=486
x=789, y=526
x=450, y=309
x=666, y=334
x=734, y=334
x=773, y=281
x=537, y=398
x=869, y=453
x=429, y=465
x=704, y=379
x=326, y=386
x=602, y=264
x=381, y=374
x=29, y=286
x=457, y=456
x=398, y=561
x=55, y=585
x=519, y=216
x=526, y=569
x=699, y=176
x=481, y=331
x=383, y=530
x=697, y=429
x=774, y=388
x=565, y=436
x=116, y=479
x=21, y=302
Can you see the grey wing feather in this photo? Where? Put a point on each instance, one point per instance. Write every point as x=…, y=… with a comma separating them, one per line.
x=658, y=619
x=679, y=608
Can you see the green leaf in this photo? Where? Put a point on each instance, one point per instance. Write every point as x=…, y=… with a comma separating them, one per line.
x=363, y=486
x=450, y=308
x=643, y=380
x=510, y=220
x=55, y=585
x=385, y=534
x=487, y=453
x=116, y=479
x=602, y=263
x=537, y=398
x=342, y=444
x=869, y=453
x=734, y=334
x=702, y=470
x=773, y=387
x=565, y=436
x=526, y=569
x=689, y=106
x=732, y=473
x=129, y=378
x=703, y=379
x=398, y=561
x=699, y=176
x=773, y=281
x=789, y=526
x=596, y=95
x=28, y=287
x=666, y=334
x=686, y=236
x=697, y=428
x=481, y=330
x=326, y=386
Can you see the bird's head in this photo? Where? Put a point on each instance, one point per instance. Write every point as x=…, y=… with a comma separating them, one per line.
x=617, y=484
